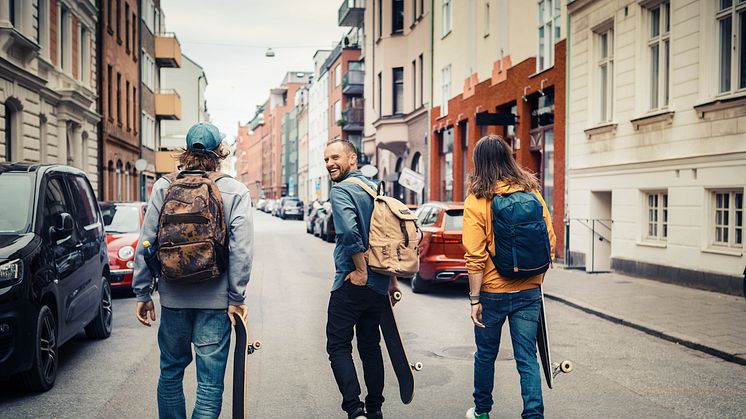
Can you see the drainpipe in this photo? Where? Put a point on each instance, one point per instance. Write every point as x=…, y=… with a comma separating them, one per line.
x=567, y=135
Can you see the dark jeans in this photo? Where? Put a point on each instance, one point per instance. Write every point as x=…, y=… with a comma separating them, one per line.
x=210, y=333
x=359, y=309
x=522, y=311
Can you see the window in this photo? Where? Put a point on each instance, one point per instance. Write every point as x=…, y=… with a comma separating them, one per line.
x=338, y=110
x=464, y=134
x=605, y=75
x=337, y=75
x=397, y=16
x=731, y=23
x=397, y=106
x=486, y=19
x=12, y=10
x=148, y=71
x=446, y=164
x=445, y=89
x=147, y=126
x=380, y=95
x=134, y=36
x=659, y=47
x=380, y=19
x=414, y=11
x=447, y=18
x=656, y=208
x=11, y=137
x=119, y=20
x=119, y=98
x=64, y=38
x=127, y=26
x=85, y=55
x=42, y=28
x=109, y=94
x=148, y=13
x=55, y=202
x=422, y=82
x=549, y=32
x=127, y=104
x=134, y=109
x=85, y=203
x=109, y=24
x=728, y=218
x=414, y=84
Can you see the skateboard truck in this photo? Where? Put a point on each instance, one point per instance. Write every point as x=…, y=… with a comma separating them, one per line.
x=257, y=345
x=564, y=366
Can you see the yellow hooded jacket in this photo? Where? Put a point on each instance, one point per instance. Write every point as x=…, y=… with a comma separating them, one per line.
x=478, y=237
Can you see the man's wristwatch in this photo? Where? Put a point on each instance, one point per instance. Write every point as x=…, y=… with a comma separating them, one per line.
x=474, y=299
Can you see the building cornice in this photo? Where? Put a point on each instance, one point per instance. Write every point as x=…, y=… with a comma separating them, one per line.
x=707, y=160
x=576, y=5
x=25, y=78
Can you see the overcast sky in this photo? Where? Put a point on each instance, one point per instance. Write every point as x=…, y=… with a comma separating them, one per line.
x=228, y=38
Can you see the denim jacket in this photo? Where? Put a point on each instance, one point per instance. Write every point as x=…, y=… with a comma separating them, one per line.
x=352, y=208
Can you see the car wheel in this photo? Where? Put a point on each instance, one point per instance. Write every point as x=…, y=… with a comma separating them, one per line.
x=100, y=326
x=43, y=370
x=419, y=285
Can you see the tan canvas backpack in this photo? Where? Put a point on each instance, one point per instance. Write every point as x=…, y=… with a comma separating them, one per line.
x=393, y=239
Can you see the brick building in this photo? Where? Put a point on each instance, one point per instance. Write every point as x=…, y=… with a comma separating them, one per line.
x=119, y=88
x=346, y=104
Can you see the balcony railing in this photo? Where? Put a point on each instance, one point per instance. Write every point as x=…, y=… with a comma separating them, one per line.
x=351, y=13
x=352, y=82
x=167, y=50
x=353, y=119
x=168, y=105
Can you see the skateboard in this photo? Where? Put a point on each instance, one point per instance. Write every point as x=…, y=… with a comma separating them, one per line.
x=398, y=355
x=551, y=370
x=240, y=353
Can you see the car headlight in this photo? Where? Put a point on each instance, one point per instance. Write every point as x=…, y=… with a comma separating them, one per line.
x=126, y=252
x=11, y=271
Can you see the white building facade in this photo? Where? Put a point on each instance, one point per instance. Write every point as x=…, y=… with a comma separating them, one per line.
x=48, y=83
x=318, y=131
x=657, y=139
x=189, y=82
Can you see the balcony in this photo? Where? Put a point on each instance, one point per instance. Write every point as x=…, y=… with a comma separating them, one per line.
x=351, y=13
x=352, y=82
x=353, y=119
x=168, y=105
x=167, y=50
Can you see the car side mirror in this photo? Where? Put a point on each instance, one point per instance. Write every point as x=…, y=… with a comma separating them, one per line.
x=63, y=226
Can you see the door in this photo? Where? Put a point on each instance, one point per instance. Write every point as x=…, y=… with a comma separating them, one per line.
x=600, y=229
x=65, y=251
x=89, y=229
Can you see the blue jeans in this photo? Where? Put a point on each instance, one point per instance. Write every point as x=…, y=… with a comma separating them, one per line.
x=522, y=311
x=210, y=332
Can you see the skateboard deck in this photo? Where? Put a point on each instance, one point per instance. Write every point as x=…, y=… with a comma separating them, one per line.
x=542, y=343
x=398, y=355
x=240, y=354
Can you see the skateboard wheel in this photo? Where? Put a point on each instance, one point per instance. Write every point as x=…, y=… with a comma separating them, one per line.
x=397, y=296
x=417, y=366
x=566, y=366
x=257, y=345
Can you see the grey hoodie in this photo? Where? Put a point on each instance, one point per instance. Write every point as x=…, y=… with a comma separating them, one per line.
x=230, y=288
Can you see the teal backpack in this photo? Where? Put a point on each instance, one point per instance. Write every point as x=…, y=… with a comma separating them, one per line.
x=522, y=248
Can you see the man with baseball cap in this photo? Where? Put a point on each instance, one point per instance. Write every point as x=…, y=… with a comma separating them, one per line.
x=197, y=314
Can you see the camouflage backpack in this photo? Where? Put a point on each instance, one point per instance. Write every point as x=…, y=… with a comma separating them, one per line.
x=192, y=237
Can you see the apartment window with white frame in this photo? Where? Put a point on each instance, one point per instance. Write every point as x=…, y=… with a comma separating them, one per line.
x=64, y=50
x=447, y=17
x=605, y=74
x=657, y=215
x=84, y=58
x=727, y=218
x=148, y=11
x=148, y=131
x=42, y=27
x=445, y=89
x=148, y=71
x=659, y=53
x=337, y=75
x=731, y=35
x=549, y=32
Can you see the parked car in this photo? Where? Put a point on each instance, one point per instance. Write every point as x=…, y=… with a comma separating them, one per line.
x=261, y=204
x=53, y=269
x=311, y=218
x=122, y=222
x=324, y=223
x=268, y=207
x=441, y=251
x=291, y=207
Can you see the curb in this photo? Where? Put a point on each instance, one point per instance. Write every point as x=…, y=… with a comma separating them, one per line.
x=649, y=329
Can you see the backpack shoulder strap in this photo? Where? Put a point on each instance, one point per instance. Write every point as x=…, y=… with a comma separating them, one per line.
x=362, y=184
x=216, y=176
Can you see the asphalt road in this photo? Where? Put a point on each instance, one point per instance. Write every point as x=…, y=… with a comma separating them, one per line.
x=619, y=372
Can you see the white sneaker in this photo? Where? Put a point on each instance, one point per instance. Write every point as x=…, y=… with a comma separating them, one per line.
x=472, y=414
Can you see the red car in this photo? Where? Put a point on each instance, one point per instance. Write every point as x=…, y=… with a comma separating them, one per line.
x=441, y=251
x=122, y=222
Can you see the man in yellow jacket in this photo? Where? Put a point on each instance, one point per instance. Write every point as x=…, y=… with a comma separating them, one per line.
x=494, y=297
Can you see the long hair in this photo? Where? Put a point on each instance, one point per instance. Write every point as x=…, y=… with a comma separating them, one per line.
x=208, y=162
x=493, y=161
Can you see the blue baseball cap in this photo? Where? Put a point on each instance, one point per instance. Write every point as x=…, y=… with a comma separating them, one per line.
x=203, y=137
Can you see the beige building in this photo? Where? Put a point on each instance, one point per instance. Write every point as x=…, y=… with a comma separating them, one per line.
x=48, y=83
x=657, y=122
x=396, y=51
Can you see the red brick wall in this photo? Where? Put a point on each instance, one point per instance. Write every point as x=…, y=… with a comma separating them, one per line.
x=488, y=98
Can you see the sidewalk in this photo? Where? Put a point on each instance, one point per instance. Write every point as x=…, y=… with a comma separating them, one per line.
x=703, y=320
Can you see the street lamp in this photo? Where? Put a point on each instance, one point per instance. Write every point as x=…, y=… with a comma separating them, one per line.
x=269, y=53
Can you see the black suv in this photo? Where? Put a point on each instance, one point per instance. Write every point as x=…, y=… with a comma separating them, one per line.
x=53, y=268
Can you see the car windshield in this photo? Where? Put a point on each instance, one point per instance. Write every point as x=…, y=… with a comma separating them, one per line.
x=454, y=220
x=292, y=202
x=15, y=213
x=121, y=218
